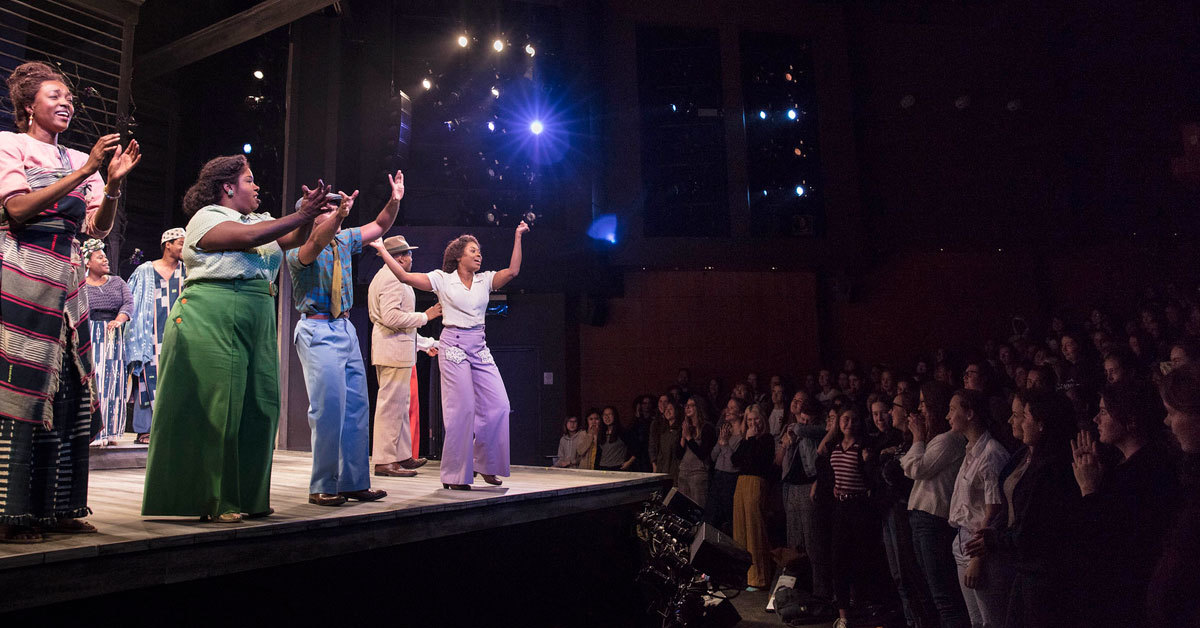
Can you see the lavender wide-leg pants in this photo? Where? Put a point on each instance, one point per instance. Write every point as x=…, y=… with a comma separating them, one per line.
x=474, y=408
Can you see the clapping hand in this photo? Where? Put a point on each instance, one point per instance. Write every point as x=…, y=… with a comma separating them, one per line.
x=918, y=426
x=313, y=203
x=104, y=145
x=123, y=161
x=1086, y=463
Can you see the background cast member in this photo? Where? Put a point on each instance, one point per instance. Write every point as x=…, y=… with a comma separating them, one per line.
x=394, y=344
x=327, y=344
x=155, y=286
x=474, y=403
x=109, y=306
x=218, y=407
x=48, y=194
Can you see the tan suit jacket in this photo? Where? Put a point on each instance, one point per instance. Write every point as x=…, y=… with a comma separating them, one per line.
x=394, y=323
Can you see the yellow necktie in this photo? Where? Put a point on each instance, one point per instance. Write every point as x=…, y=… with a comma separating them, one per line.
x=335, y=296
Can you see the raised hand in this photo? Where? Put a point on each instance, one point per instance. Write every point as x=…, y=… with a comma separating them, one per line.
x=1086, y=463
x=918, y=427
x=313, y=203
x=522, y=229
x=397, y=183
x=347, y=202
x=123, y=160
x=377, y=244
x=104, y=145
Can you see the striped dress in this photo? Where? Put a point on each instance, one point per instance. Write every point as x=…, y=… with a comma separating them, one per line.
x=46, y=398
x=105, y=303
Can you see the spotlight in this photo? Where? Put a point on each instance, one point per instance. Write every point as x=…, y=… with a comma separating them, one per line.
x=800, y=190
x=495, y=92
x=463, y=41
x=427, y=84
x=493, y=216
x=258, y=74
x=791, y=114
x=762, y=115
x=536, y=127
x=530, y=217
x=498, y=45
x=674, y=108
x=764, y=192
x=529, y=50
x=491, y=126
x=246, y=148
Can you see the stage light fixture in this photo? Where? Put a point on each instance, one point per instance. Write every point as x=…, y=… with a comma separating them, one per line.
x=536, y=127
x=258, y=74
x=495, y=92
x=529, y=50
x=762, y=115
x=791, y=114
x=427, y=84
x=463, y=41
x=246, y=148
x=530, y=217
x=764, y=192
x=800, y=190
x=674, y=108
x=498, y=45
x=491, y=126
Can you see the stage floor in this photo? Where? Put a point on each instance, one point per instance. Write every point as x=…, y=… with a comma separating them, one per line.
x=133, y=552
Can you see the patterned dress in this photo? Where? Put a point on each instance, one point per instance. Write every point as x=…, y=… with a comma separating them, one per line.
x=153, y=298
x=105, y=302
x=46, y=398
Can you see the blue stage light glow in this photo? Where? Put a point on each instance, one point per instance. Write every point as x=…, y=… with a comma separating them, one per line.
x=246, y=148
x=791, y=114
x=491, y=125
x=800, y=190
x=604, y=227
x=762, y=115
x=536, y=127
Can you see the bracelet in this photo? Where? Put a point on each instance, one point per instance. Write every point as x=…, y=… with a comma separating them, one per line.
x=113, y=197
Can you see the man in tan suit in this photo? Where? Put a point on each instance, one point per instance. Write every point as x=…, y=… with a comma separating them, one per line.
x=393, y=352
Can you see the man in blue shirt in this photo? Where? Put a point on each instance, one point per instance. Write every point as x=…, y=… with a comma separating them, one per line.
x=327, y=344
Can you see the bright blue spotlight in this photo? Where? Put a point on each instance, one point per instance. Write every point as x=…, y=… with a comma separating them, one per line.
x=674, y=108
x=764, y=192
x=791, y=114
x=604, y=228
x=246, y=148
x=800, y=190
x=762, y=115
x=536, y=127
x=491, y=125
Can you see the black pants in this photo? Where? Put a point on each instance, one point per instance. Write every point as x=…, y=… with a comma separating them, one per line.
x=857, y=547
x=719, y=510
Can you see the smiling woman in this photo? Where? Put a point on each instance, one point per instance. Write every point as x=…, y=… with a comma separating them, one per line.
x=48, y=194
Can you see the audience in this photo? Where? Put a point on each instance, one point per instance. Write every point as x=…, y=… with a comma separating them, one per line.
x=1084, y=510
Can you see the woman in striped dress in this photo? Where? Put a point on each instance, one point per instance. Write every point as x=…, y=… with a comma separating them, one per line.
x=48, y=194
x=110, y=304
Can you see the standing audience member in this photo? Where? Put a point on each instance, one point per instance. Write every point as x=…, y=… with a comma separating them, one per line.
x=932, y=463
x=614, y=454
x=1045, y=529
x=797, y=457
x=779, y=411
x=1171, y=594
x=155, y=287
x=657, y=425
x=48, y=193
x=1127, y=507
x=725, y=473
x=638, y=434
x=977, y=503
x=668, y=441
x=753, y=456
x=696, y=443
x=110, y=305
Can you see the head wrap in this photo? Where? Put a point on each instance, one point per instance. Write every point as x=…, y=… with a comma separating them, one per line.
x=91, y=246
x=172, y=234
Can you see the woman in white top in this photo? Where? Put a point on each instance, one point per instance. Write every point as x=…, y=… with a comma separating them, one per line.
x=977, y=503
x=474, y=402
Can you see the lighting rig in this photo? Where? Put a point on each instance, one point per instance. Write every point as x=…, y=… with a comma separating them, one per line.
x=692, y=569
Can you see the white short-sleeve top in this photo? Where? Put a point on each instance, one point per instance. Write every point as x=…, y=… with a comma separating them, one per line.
x=462, y=306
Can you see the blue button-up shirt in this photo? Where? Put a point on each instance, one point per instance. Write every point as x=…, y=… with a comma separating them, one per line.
x=312, y=284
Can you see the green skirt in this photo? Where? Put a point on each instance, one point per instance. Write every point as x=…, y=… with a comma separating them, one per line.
x=217, y=406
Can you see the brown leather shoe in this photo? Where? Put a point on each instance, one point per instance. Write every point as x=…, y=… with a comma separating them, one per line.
x=393, y=470
x=326, y=499
x=412, y=463
x=490, y=479
x=365, y=495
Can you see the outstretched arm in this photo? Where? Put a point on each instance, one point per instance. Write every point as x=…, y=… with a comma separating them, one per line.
x=235, y=236
x=514, y=264
x=387, y=216
x=416, y=280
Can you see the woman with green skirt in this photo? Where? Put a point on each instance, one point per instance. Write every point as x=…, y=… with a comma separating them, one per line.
x=213, y=431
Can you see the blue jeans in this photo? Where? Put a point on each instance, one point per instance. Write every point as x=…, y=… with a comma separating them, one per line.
x=932, y=538
x=902, y=563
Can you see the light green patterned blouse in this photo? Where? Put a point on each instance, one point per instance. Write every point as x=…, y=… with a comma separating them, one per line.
x=261, y=262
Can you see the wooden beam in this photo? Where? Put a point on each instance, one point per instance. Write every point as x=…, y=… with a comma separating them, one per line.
x=124, y=10
x=229, y=32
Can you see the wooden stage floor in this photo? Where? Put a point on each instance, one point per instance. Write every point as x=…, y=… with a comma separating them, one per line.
x=132, y=552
